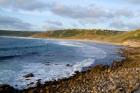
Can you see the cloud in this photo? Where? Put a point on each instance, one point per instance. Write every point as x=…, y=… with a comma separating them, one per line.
x=29, y=5
x=120, y=24
x=79, y=11
x=81, y=14
x=56, y=23
x=89, y=12
x=7, y=22
x=124, y=13
x=134, y=1
x=104, y=19
x=53, y=25
x=97, y=15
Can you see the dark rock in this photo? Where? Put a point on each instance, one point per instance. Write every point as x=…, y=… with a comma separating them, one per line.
x=56, y=64
x=29, y=75
x=47, y=64
x=77, y=72
x=39, y=83
x=68, y=65
x=30, y=84
x=7, y=89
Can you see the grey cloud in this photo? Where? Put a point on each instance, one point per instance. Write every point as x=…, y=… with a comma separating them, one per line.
x=124, y=12
x=131, y=2
x=120, y=24
x=79, y=12
x=53, y=25
x=67, y=11
x=134, y=1
x=7, y=22
x=56, y=23
x=102, y=19
x=84, y=15
x=23, y=4
x=74, y=25
x=95, y=15
x=92, y=20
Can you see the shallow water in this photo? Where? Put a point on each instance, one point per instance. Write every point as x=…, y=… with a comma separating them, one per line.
x=48, y=59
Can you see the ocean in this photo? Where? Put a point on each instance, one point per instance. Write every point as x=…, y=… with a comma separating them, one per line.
x=49, y=59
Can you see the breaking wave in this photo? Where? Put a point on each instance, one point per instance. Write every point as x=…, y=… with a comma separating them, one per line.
x=47, y=60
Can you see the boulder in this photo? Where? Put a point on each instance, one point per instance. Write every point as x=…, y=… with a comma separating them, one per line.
x=29, y=75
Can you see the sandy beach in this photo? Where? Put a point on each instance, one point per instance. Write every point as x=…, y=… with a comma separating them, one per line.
x=126, y=43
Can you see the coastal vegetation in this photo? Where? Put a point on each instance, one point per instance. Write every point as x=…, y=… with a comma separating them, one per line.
x=131, y=35
x=94, y=34
x=17, y=33
x=79, y=34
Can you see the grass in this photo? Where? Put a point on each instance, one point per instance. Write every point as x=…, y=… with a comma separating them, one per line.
x=131, y=35
x=104, y=35
x=17, y=33
x=78, y=34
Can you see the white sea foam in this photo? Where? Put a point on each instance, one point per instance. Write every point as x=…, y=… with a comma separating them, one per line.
x=51, y=71
x=84, y=47
x=70, y=44
x=30, y=38
x=46, y=73
x=18, y=37
x=80, y=65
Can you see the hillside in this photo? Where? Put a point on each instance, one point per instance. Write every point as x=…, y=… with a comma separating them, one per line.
x=131, y=35
x=105, y=35
x=127, y=38
x=16, y=33
x=79, y=34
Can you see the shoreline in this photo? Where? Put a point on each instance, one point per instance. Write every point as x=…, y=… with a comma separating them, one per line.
x=122, y=75
x=125, y=43
x=101, y=75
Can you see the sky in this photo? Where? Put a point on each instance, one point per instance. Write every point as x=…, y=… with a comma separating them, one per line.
x=43, y=15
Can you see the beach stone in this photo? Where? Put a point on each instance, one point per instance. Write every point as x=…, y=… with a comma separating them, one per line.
x=47, y=64
x=30, y=84
x=68, y=65
x=29, y=75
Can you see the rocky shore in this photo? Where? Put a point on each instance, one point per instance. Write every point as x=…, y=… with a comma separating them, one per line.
x=120, y=77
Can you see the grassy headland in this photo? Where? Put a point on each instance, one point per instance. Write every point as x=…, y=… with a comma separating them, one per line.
x=79, y=34
x=17, y=33
x=123, y=37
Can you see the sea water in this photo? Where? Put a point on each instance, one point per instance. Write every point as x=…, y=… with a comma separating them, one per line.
x=48, y=59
